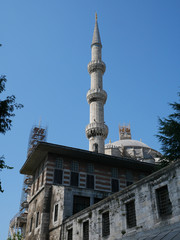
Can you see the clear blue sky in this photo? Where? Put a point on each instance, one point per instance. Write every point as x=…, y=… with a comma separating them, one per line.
x=45, y=52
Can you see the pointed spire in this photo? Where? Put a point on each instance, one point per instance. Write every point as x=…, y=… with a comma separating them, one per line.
x=96, y=35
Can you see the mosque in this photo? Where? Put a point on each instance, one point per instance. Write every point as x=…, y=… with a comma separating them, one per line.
x=110, y=192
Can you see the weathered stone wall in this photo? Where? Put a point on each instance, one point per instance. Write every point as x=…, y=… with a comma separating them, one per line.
x=147, y=216
x=40, y=203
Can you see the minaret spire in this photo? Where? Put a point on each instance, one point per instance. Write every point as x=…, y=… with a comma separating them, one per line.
x=96, y=131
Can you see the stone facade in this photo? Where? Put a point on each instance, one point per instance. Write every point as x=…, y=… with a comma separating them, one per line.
x=67, y=180
x=148, y=214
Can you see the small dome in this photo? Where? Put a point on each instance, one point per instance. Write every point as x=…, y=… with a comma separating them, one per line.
x=127, y=143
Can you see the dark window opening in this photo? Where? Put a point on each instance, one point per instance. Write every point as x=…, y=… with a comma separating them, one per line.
x=59, y=163
x=56, y=213
x=74, y=166
x=31, y=223
x=105, y=224
x=96, y=200
x=131, y=214
x=42, y=179
x=86, y=230
x=74, y=179
x=90, y=168
x=95, y=147
x=114, y=185
x=80, y=203
x=163, y=201
x=70, y=236
x=58, y=176
x=129, y=178
x=90, y=181
x=37, y=219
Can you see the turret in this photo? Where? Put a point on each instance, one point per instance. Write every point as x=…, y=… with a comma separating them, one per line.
x=96, y=131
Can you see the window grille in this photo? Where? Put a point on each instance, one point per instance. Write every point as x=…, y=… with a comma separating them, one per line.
x=74, y=179
x=163, y=201
x=37, y=219
x=80, y=203
x=114, y=185
x=90, y=181
x=75, y=166
x=86, y=230
x=58, y=176
x=129, y=178
x=105, y=224
x=90, y=168
x=31, y=223
x=70, y=235
x=55, y=212
x=131, y=214
x=114, y=172
x=59, y=163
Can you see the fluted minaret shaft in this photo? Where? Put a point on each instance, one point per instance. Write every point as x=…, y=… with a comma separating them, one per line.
x=96, y=131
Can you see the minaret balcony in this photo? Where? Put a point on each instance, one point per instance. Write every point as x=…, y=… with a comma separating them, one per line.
x=96, y=95
x=93, y=66
x=96, y=129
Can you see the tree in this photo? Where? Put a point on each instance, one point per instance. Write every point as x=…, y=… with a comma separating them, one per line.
x=169, y=135
x=7, y=107
x=16, y=236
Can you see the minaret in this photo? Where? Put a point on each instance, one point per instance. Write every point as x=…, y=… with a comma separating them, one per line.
x=96, y=131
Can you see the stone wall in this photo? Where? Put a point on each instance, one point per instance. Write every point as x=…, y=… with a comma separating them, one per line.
x=144, y=195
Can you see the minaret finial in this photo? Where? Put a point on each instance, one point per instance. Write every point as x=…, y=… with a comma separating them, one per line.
x=96, y=16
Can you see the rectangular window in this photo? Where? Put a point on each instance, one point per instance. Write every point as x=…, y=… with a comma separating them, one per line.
x=105, y=224
x=163, y=201
x=131, y=214
x=114, y=185
x=114, y=172
x=86, y=230
x=37, y=219
x=129, y=178
x=75, y=166
x=55, y=212
x=42, y=179
x=90, y=168
x=31, y=223
x=80, y=203
x=59, y=163
x=70, y=234
x=90, y=181
x=74, y=179
x=58, y=176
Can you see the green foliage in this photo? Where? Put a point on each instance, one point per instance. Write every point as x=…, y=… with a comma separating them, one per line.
x=16, y=236
x=7, y=107
x=169, y=135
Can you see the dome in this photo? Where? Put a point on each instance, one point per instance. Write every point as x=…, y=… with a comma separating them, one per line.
x=127, y=147
x=127, y=143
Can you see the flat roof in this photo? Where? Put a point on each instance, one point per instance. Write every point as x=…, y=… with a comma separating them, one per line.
x=43, y=148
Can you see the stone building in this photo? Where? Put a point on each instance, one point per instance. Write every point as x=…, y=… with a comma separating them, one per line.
x=67, y=180
x=103, y=193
